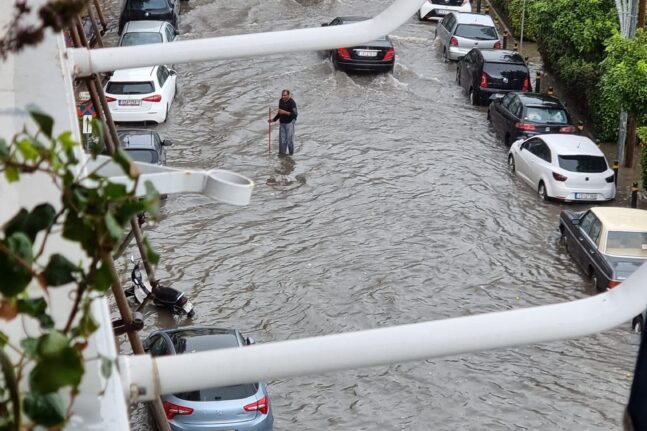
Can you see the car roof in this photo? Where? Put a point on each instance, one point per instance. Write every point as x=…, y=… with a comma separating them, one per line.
x=143, y=26
x=501, y=56
x=138, y=142
x=538, y=99
x=568, y=145
x=473, y=18
x=136, y=74
x=622, y=219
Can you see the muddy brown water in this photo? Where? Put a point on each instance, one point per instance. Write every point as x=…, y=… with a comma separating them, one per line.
x=397, y=208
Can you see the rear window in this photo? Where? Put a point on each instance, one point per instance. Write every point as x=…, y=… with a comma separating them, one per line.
x=546, y=115
x=130, y=87
x=496, y=69
x=147, y=4
x=224, y=393
x=145, y=156
x=473, y=31
x=627, y=244
x=130, y=39
x=586, y=164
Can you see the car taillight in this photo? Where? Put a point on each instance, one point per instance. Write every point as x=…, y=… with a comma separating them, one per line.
x=110, y=99
x=173, y=409
x=343, y=53
x=526, y=84
x=613, y=283
x=453, y=41
x=465, y=2
x=567, y=129
x=525, y=126
x=610, y=179
x=497, y=45
x=389, y=54
x=262, y=405
x=559, y=177
x=155, y=98
x=483, y=83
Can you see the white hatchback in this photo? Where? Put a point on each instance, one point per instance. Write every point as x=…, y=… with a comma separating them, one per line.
x=437, y=9
x=145, y=32
x=142, y=94
x=564, y=167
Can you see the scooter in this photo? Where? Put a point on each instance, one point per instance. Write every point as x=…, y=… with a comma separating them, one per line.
x=163, y=297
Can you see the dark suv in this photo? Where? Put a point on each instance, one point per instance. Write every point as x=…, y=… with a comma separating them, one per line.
x=487, y=72
x=144, y=145
x=147, y=10
x=521, y=115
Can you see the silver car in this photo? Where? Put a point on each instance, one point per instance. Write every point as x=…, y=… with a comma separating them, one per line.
x=460, y=32
x=243, y=407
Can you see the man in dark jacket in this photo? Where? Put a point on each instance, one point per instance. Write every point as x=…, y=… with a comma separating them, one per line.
x=287, y=115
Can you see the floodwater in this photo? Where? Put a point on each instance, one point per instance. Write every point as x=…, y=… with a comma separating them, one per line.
x=398, y=208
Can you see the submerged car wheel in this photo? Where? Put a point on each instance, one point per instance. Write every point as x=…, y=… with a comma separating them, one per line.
x=473, y=100
x=637, y=325
x=458, y=75
x=594, y=278
x=541, y=191
x=511, y=165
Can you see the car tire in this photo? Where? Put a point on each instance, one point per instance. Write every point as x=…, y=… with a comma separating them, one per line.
x=594, y=279
x=638, y=325
x=562, y=238
x=541, y=191
x=473, y=99
x=511, y=165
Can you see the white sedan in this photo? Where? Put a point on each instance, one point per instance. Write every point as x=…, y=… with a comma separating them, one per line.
x=564, y=167
x=437, y=9
x=142, y=94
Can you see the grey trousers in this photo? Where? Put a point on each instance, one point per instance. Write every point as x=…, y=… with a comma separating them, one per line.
x=286, y=138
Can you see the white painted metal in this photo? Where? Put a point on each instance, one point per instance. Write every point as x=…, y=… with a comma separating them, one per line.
x=85, y=61
x=270, y=361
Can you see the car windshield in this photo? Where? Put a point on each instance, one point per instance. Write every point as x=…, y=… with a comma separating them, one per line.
x=511, y=70
x=620, y=243
x=147, y=4
x=146, y=156
x=623, y=266
x=546, y=115
x=130, y=87
x=130, y=39
x=585, y=164
x=224, y=393
x=473, y=31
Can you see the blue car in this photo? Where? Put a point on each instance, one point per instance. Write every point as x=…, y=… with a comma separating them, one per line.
x=243, y=407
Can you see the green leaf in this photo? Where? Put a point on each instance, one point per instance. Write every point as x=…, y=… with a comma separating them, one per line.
x=67, y=141
x=60, y=271
x=152, y=199
x=52, y=344
x=129, y=209
x=9, y=380
x=65, y=369
x=46, y=410
x=87, y=325
x=103, y=280
x=36, y=307
x=44, y=121
x=122, y=159
x=26, y=148
x=113, y=227
x=11, y=174
x=115, y=191
x=15, y=277
x=98, y=135
x=76, y=229
x=30, y=346
x=40, y=218
x=106, y=367
x=4, y=149
x=152, y=256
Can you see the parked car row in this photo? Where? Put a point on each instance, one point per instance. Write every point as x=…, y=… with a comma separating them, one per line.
x=607, y=243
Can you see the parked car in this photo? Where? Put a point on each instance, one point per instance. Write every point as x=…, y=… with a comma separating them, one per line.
x=144, y=145
x=521, y=115
x=437, y=9
x=243, y=407
x=141, y=94
x=154, y=10
x=459, y=32
x=484, y=73
x=145, y=32
x=375, y=56
x=608, y=243
x=564, y=167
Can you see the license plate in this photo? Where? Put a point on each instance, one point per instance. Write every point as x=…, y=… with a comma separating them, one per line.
x=130, y=102
x=442, y=11
x=187, y=307
x=591, y=196
x=362, y=53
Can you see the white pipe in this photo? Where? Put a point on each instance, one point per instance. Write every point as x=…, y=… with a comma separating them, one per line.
x=396, y=344
x=86, y=62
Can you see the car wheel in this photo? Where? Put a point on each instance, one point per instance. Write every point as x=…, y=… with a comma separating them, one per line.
x=637, y=325
x=594, y=279
x=541, y=191
x=506, y=140
x=445, y=58
x=489, y=119
x=511, y=165
x=473, y=99
x=562, y=238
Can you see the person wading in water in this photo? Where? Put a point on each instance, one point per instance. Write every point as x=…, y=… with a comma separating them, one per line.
x=287, y=114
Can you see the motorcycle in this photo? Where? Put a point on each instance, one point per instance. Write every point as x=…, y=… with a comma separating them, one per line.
x=163, y=297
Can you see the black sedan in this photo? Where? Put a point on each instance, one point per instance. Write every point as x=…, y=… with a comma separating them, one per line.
x=375, y=56
x=146, y=10
x=522, y=115
x=144, y=145
x=486, y=72
x=608, y=243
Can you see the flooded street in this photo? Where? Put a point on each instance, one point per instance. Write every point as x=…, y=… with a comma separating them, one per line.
x=398, y=208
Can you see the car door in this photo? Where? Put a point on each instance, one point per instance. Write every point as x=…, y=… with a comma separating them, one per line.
x=443, y=30
x=497, y=111
x=161, y=149
x=526, y=158
x=167, y=84
x=169, y=32
x=585, y=251
x=540, y=165
x=510, y=118
x=465, y=66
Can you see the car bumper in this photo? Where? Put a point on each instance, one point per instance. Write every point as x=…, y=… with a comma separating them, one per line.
x=262, y=423
x=365, y=66
x=154, y=115
x=568, y=194
x=437, y=11
x=456, y=53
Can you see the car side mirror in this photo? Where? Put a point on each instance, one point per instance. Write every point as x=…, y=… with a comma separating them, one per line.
x=576, y=221
x=167, y=143
x=250, y=341
x=172, y=72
